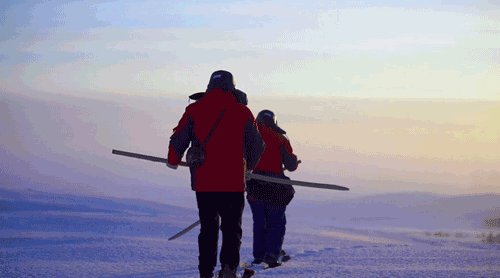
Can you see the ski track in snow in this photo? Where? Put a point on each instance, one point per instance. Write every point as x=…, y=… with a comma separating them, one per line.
x=53, y=255
x=133, y=243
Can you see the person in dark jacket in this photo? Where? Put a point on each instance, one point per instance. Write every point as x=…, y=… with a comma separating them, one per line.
x=268, y=200
x=234, y=146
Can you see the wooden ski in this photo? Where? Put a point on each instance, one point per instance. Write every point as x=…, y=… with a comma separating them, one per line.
x=252, y=175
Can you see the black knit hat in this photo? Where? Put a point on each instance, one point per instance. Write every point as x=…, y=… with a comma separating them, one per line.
x=221, y=79
x=268, y=118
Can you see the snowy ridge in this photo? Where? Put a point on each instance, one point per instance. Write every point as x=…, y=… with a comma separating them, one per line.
x=78, y=236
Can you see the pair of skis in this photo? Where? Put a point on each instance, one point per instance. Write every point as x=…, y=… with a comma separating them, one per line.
x=251, y=176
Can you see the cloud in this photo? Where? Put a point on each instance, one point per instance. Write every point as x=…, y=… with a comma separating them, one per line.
x=398, y=43
x=425, y=82
x=297, y=42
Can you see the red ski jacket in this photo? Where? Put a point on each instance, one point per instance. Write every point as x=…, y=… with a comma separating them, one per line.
x=235, y=140
x=278, y=150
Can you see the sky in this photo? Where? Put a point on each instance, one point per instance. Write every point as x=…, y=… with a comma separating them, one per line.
x=378, y=96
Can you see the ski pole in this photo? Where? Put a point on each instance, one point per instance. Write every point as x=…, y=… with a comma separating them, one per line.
x=145, y=157
x=185, y=230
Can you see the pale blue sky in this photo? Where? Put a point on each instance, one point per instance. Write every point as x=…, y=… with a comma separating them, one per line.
x=274, y=48
x=374, y=95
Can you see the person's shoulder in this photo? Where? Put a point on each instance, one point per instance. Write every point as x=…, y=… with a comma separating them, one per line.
x=272, y=133
x=241, y=109
x=282, y=138
x=244, y=108
x=191, y=107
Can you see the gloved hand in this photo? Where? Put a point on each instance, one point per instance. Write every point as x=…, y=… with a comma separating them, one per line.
x=172, y=166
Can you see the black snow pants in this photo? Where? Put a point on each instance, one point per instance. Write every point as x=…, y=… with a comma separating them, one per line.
x=219, y=210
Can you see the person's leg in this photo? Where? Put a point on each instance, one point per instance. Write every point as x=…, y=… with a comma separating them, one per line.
x=209, y=233
x=259, y=228
x=283, y=231
x=276, y=222
x=231, y=206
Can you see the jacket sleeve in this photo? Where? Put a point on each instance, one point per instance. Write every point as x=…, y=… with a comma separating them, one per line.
x=287, y=157
x=253, y=146
x=180, y=139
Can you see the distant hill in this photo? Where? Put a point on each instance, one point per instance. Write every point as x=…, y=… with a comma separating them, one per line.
x=41, y=212
x=420, y=210
x=31, y=200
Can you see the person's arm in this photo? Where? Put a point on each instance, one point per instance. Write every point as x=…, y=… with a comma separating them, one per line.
x=253, y=146
x=179, y=141
x=288, y=158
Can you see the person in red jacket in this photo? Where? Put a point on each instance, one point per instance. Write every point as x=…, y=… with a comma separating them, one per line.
x=268, y=200
x=234, y=146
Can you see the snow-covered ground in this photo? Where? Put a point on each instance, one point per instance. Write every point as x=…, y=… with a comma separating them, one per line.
x=397, y=235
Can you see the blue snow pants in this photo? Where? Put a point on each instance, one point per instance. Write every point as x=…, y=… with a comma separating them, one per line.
x=268, y=230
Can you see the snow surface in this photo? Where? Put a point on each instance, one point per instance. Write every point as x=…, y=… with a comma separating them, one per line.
x=397, y=235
